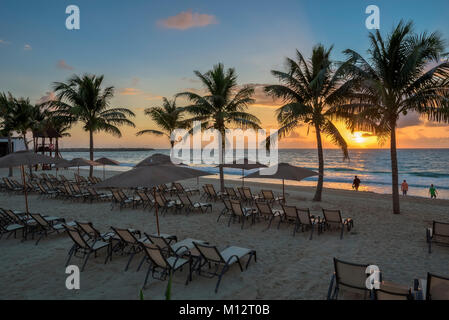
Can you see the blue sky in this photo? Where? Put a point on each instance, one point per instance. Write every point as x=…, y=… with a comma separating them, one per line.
x=129, y=43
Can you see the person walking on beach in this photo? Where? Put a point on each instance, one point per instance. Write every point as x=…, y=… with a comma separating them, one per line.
x=356, y=183
x=404, y=188
x=433, y=192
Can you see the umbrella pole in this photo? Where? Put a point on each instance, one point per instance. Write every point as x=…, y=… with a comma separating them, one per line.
x=24, y=188
x=156, y=209
x=283, y=189
x=104, y=173
x=243, y=177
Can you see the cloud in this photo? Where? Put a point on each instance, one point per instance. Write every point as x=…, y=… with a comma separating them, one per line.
x=130, y=92
x=63, y=65
x=410, y=120
x=186, y=20
x=27, y=47
x=49, y=96
x=4, y=42
x=138, y=92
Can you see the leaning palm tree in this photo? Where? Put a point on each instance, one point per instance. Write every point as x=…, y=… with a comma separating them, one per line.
x=168, y=117
x=310, y=89
x=81, y=99
x=224, y=105
x=398, y=78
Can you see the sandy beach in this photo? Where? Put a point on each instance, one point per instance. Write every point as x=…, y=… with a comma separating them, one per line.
x=287, y=267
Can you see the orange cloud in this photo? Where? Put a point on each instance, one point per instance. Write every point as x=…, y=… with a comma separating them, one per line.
x=130, y=92
x=186, y=20
x=63, y=65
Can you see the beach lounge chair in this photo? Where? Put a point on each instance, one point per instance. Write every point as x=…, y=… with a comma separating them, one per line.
x=392, y=291
x=92, y=180
x=189, y=206
x=11, y=228
x=333, y=219
x=213, y=194
x=226, y=210
x=10, y=187
x=232, y=194
x=242, y=194
x=241, y=213
x=349, y=281
x=120, y=199
x=164, y=204
x=45, y=227
x=144, y=200
x=128, y=243
x=221, y=261
x=438, y=234
x=206, y=193
x=437, y=287
x=94, y=195
x=161, y=266
x=77, y=190
x=265, y=210
x=269, y=196
x=308, y=221
x=164, y=189
x=249, y=196
x=171, y=246
x=181, y=190
x=86, y=248
x=92, y=233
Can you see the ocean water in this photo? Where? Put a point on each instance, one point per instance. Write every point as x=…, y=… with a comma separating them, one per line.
x=420, y=167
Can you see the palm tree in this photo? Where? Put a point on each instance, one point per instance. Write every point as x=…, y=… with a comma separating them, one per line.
x=24, y=113
x=310, y=89
x=394, y=81
x=224, y=104
x=81, y=99
x=7, y=105
x=168, y=117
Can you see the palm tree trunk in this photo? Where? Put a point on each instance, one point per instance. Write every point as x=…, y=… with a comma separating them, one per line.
x=222, y=149
x=30, y=168
x=319, y=187
x=11, y=172
x=394, y=169
x=91, y=151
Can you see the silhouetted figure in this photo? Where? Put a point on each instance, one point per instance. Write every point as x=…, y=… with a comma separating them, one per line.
x=356, y=183
x=433, y=192
x=404, y=188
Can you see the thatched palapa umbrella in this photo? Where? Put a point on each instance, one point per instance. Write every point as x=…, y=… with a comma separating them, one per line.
x=284, y=172
x=150, y=176
x=107, y=162
x=22, y=159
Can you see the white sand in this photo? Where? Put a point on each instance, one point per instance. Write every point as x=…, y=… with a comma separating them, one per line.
x=288, y=267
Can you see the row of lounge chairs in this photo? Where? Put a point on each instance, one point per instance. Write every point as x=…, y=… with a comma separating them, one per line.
x=349, y=281
x=243, y=194
x=163, y=254
x=301, y=219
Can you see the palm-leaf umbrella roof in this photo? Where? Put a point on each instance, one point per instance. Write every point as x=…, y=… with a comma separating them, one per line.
x=157, y=158
x=107, y=161
x=26, y=158
x=284, y=171
x=151, y=176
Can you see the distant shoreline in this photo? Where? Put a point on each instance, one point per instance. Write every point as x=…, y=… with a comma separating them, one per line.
x=105, y=149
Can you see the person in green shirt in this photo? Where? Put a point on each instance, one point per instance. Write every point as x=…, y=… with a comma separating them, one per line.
x=433, y=192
